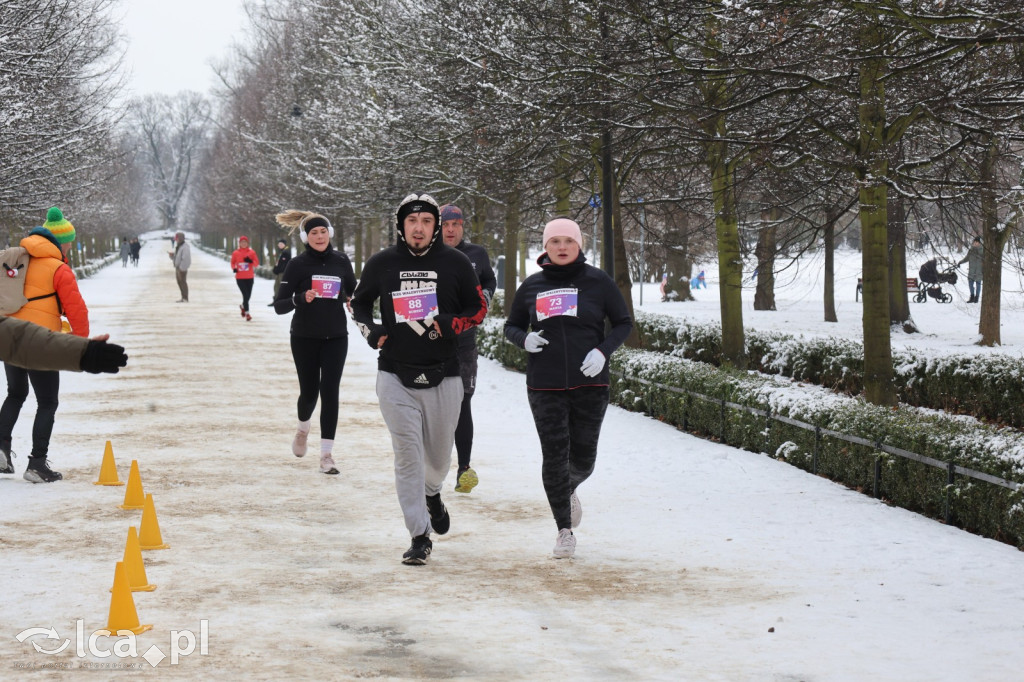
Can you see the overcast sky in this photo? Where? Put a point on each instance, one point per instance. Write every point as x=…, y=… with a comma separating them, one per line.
x=172, y=44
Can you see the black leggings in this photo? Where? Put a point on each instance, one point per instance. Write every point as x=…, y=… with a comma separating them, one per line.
x=464, y=432
x=46, y=386
x=319, y=364
x=245, y=286
x=568, y=424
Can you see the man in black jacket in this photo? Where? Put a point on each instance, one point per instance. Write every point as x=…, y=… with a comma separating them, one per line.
x=429, y=294
x=284, y=254
x=452, y=233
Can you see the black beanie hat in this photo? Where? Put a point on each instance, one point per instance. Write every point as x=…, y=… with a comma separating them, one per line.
x=418, y=203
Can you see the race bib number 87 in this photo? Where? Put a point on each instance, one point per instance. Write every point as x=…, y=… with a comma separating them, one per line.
x=414, y=304
x=326, y=286
x=557, y=302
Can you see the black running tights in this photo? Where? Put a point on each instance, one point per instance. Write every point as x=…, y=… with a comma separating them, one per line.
x=245, y=286
x=319, y=364
x=568, y=424
x=46, y=386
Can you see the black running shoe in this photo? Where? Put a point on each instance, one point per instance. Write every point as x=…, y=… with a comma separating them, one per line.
x=439, y=519
x=38, y=471
x=6, y=465
x=419, y=552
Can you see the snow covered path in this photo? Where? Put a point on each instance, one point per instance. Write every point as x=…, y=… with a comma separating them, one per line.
x=695, y=561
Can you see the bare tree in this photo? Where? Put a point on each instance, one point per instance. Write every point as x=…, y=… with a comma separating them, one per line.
x=172, y=131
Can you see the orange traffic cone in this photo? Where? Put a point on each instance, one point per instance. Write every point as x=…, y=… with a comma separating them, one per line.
x=108, y=470
x=133, y=564
x=134, y=497
x=123, y=615
x=149, y=531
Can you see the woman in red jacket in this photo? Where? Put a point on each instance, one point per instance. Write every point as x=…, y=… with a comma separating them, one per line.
x=244, y=262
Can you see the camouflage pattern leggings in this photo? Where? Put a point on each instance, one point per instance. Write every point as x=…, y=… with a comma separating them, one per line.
x=568, y=425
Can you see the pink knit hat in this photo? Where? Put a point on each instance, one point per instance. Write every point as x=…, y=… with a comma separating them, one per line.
x=562, y=227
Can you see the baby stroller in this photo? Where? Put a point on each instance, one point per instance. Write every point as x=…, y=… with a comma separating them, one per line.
x=932, y=281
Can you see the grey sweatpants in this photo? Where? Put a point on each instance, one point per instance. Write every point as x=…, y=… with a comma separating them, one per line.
x=422, y=425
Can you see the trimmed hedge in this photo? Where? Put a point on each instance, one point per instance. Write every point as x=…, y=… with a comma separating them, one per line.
x=977, y=506
x=986, y=386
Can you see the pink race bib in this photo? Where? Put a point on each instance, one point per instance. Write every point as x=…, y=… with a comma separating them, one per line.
x=414, y=304
x=557, y=302
x=326, y=287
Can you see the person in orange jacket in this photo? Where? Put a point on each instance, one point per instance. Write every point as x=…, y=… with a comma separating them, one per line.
x=51, y=282
x=244, y=262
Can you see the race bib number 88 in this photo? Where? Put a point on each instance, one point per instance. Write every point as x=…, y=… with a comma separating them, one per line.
x=414, y=304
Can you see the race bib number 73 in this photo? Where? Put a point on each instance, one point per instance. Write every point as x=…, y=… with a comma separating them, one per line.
x=557, y=302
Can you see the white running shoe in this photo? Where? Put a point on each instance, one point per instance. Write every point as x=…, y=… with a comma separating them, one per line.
x=565, y=545
x=327, y=464
x=575, y=510
x=299, y=443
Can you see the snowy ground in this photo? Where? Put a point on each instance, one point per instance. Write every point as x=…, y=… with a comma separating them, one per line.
x=695, y=561
x=944, y=328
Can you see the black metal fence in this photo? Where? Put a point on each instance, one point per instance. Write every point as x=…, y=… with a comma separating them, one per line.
x=952, y=469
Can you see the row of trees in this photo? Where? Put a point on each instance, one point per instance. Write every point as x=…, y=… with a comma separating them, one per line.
x=695, y=121
x=698, y=128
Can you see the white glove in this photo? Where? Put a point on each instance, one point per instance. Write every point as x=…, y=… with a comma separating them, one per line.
x=535, y=342
x=593, y=363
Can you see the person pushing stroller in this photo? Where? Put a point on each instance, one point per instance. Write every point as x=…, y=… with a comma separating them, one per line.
x=932, y=281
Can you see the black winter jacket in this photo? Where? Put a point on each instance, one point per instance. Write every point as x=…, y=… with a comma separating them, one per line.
x=282, y=260
x=481, y=261
x=460, y=305
x=322, y=318
x=570, y=337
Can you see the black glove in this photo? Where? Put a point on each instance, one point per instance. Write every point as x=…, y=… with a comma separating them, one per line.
x=101, y=356
x=248, y=259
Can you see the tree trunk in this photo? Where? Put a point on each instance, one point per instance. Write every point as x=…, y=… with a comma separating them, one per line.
x=622, y=280
x=993, y=243
x=511, y=282
x=829, y=239
x=871, y=172
x=361, y=228
x=899, y=304
x=678, y=265
x=730, y=261
x=764, y=253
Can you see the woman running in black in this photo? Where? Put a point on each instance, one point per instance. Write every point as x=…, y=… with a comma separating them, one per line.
x=316, y=285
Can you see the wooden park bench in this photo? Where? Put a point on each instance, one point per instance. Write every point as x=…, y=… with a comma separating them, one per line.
x=912, y=287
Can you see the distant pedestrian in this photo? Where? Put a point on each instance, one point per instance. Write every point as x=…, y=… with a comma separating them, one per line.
x=135, y=248
x=974, y=267
x=51, y=285
x=126, y=252
x=284, y=254
x=428, y=295
x=558, y=315
x=317, y=283
x=182, y=257
x=452, y=232
x=244, y=262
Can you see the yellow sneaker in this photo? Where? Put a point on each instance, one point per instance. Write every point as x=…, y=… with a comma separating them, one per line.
x=466, y=480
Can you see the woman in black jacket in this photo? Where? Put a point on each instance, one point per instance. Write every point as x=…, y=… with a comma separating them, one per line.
x=565, y=305
x=316, y=285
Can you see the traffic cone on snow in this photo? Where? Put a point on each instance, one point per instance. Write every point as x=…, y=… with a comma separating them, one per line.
x=133, y=564
x=122, y=615
x=134, y=497
x=108, y=470
x=149, y=531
